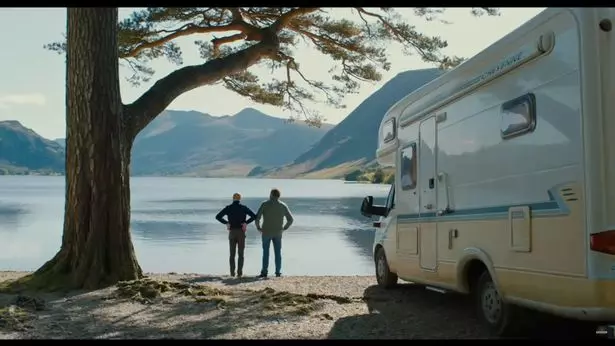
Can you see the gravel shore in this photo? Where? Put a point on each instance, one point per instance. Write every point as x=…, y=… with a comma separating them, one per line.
x=198, y=306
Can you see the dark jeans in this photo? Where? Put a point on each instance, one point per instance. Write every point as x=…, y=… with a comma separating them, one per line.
x=277, y=252
x=237, y=241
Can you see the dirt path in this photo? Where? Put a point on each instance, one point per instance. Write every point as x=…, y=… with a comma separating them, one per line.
x=194, y=306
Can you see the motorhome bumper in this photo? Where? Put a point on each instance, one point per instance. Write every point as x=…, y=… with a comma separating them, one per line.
x=578, y=313
x=593, y=314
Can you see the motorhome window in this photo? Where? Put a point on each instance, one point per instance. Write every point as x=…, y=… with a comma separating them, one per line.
x=518, y=116
x=390, y=203
x=388, y=130
x=408, y=167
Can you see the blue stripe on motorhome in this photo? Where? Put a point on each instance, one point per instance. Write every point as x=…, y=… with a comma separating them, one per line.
x=554, y=207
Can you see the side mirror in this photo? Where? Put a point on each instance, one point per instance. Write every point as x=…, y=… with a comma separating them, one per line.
x=366, y=206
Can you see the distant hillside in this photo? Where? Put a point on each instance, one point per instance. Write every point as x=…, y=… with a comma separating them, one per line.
x=194, y=143
x=353, y=142
x=23, y=151
x=185, y=143
x=252, y=143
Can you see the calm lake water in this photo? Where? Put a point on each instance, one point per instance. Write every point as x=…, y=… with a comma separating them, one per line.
x=174, y=230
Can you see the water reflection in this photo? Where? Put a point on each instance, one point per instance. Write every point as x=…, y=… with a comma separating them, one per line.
x=329, y=234
x=11, y=215
x=363, y=240
x=174, y=229
x=164, y=231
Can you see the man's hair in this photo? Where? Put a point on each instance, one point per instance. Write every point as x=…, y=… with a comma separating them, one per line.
x=275, y=193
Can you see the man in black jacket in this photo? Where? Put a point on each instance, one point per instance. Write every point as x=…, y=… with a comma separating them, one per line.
x=236, y=225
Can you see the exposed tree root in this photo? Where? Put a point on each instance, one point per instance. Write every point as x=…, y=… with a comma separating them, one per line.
x=149, y=291
x=57, y=276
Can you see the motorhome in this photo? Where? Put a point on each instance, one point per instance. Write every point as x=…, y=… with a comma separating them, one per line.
x=505, y=175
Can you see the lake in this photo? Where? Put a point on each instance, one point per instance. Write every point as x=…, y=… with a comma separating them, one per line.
x=174, y=230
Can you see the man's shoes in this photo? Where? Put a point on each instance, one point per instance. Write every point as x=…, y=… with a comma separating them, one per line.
x=239, y=275
x=262, y=275
x=277, y=275
x=232, y=274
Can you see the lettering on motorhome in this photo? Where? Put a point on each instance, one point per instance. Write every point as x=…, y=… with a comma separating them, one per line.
x=504, y=64
x=501, y=66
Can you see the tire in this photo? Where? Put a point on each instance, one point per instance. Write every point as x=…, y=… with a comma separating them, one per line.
x=502, y=319
x=385, y=278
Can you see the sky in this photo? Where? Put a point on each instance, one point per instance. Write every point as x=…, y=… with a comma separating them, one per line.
x=32, y=84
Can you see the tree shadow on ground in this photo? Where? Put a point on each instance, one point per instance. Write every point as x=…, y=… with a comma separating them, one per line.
x=404, y=312
x=410, y=311
x=206, y=312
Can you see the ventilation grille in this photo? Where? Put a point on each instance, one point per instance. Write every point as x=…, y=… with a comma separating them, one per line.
x=568, y=195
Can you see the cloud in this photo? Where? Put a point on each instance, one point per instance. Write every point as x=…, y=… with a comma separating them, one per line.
x=35, y=99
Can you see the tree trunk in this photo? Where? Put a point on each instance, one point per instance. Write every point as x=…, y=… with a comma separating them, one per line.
x=96, y=247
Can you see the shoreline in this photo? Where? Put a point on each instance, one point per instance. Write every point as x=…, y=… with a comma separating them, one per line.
x=196, y=306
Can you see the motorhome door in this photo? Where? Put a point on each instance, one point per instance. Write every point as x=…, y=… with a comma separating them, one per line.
x=427, y=190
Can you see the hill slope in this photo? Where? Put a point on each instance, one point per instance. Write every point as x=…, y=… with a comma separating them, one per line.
x=23, y=150
x=250, y=142
x=353, y=141
x=178, y=143
x=194, y=143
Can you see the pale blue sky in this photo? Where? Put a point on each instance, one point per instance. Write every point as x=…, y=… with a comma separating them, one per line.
x=32, y=87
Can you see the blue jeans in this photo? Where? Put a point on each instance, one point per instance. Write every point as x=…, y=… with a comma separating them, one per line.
x=277, y=252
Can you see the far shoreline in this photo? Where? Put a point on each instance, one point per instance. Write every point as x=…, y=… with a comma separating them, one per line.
x=15, y=273
x=359, y=182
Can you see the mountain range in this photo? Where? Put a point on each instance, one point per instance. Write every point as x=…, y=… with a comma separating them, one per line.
x=353, y=142
x=249, y=143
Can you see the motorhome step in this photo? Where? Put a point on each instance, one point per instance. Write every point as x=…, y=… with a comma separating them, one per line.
x=435, y=289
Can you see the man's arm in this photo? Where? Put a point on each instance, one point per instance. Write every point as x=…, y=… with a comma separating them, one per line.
x=251, y=214
x=221, y=214
x=259, y=215
x=289, y=217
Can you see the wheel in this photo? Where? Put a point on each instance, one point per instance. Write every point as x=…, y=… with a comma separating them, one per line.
x=493, y=312
x=384, y=276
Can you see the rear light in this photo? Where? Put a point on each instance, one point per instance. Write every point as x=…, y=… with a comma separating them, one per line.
x=603, y=242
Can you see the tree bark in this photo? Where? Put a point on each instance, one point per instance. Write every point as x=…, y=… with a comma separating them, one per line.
x=96, y=246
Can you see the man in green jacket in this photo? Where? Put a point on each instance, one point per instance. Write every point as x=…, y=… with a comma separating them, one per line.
x=273, y=211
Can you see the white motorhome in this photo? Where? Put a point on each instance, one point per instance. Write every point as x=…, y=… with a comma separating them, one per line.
x=505, y=175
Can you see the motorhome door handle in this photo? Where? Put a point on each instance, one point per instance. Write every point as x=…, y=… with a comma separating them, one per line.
x=429, y=206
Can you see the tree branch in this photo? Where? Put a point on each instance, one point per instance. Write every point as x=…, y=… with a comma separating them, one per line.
x=395, y=32
x=186, y=30
x=236, y=13
x=317, y=40
x=155, y=100
x=217, y=42
x=381, y=19
x=285, y=19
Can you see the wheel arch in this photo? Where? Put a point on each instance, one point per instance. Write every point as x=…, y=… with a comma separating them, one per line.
x=469, y=268
x=382, y=244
